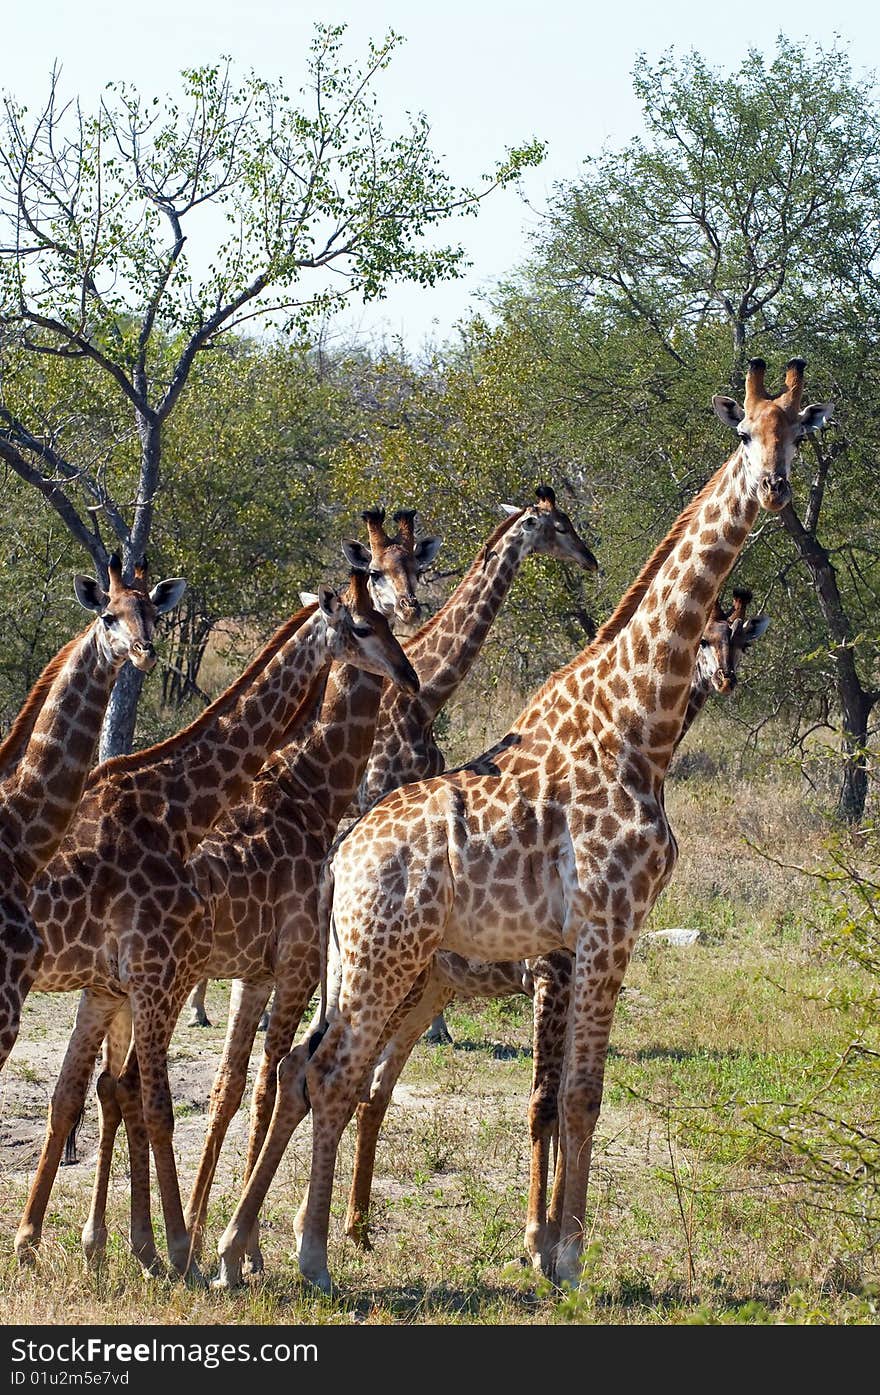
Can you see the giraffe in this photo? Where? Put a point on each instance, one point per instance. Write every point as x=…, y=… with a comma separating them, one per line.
x=257, y=875
x=395, y=563
x=48, y=750
x=118, y=907
x=559, y=841
x=405, y=748
x=726, y=639
x=266, y=847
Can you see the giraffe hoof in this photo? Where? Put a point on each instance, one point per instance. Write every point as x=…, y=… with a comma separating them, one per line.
x=359, y=1234
x=322, y=1282
x=199, y=1019
x=229, y=1276
x=94, y=1243
x=438, y=1037
x=194, y=1278
x=26, y=1242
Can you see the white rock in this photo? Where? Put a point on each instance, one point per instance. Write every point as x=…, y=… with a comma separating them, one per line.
x=676, y=936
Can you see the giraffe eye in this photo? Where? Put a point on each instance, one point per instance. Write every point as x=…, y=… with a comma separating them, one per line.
x=745, y=437
x=362, y=631
x=109, y=620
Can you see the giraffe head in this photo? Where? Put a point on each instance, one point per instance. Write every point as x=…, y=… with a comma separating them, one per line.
x=547, y=530
x=725, y=639
x=394, y=564
x=770, y=428
x=359, y=634
x=128, y=613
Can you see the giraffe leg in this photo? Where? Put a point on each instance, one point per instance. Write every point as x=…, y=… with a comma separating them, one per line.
x=198, y=1015
x=594, y=997
x=154, y=1015
x=141, y=1237
x=337, y=1075
x=94, y=1234
x=333, y=1076
x=119, y=1097
x=552, y=985
x=94, y=1014
x=292, y=994
x=291, y=1107
x=371, y=1113
x=246, y=1003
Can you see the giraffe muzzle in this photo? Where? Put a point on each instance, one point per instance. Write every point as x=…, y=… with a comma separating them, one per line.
x=775, y=492
x=143, y=656
x=409, y=608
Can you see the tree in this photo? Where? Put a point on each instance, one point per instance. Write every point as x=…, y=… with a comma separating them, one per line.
x=745, y=222
x=103, y=213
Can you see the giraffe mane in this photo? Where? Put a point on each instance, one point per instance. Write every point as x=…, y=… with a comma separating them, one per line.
x=138, y=760
x=478, y=563
x=13, y=746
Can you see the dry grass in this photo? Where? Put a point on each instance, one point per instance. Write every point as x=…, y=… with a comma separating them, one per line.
x=691, y=1217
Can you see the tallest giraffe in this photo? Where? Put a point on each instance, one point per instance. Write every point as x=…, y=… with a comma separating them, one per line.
x=559, y=840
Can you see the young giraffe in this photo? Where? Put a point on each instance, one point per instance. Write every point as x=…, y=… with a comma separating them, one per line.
x=48, y=751
x=262, y=848
x=119, y=908
x=546, y=979
x=565, y=845
x=395, y=565
x=257, y=873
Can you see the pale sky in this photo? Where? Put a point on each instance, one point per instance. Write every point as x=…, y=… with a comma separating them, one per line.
x=488, y=74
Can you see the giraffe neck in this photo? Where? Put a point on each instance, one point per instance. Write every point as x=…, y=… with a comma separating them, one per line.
x=203, y=777
x=444, y=650
x=701, y=687
x=14, y=744
x=39, y=797
x=326, y=765
x=637, y=688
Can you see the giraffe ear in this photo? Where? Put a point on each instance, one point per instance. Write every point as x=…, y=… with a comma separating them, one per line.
x=813, y=418
x=510, y=509
x=308, y=598
x=329, y=603
x=357, y=555
x=165, y=595
x=753, y=629
x=89, y=593
x=425, y=551
x=728, y=411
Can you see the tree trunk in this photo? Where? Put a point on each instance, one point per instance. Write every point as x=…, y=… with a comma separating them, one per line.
x=117, y=733
x=854, y=789
x=855, y=701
